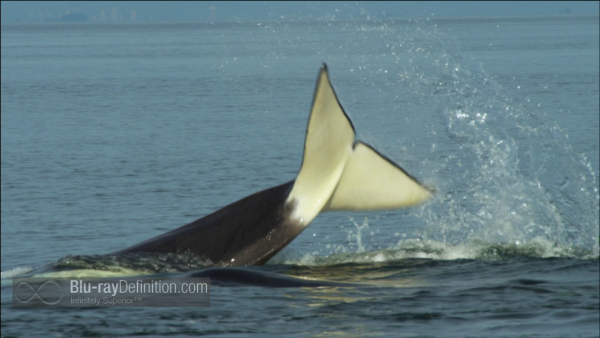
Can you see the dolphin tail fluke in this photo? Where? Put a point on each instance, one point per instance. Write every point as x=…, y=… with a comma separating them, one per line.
x=338, y=173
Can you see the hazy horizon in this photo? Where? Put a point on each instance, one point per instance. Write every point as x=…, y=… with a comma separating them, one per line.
x=217, y=11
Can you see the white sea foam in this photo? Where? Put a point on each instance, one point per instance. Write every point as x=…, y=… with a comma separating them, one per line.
x=427, y=249
x=15, y=272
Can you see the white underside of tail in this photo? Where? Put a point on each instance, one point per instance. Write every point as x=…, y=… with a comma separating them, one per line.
x=371, y=182
x=339, y=174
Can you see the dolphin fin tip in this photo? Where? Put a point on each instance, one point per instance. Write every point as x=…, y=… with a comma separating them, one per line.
x=429, y=187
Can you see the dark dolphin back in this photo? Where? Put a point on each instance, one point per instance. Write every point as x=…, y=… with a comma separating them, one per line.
x=249, y=231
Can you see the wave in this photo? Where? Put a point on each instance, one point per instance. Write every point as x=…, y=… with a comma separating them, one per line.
x=406, y=249
x=15, y=272
x=427, y=249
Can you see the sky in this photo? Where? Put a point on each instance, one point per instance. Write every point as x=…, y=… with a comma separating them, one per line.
x=30, y=11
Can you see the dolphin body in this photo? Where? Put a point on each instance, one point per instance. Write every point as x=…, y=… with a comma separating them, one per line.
x=337, y=173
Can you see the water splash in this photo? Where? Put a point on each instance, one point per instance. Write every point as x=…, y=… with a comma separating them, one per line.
x=504, y=175
x=358, y=236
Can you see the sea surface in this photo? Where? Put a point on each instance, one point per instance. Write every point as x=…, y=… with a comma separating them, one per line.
x=115, y=133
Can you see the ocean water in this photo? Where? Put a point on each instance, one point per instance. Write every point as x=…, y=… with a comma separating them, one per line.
x=115, y=133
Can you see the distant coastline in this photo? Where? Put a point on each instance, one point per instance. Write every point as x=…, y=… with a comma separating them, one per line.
x=82, y=18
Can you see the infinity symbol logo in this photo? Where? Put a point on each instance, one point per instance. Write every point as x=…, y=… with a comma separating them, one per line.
x=46, y=292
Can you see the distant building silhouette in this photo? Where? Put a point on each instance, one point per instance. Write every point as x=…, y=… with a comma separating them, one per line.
x=115, y=14
x=133, y=16
x=73, y=17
